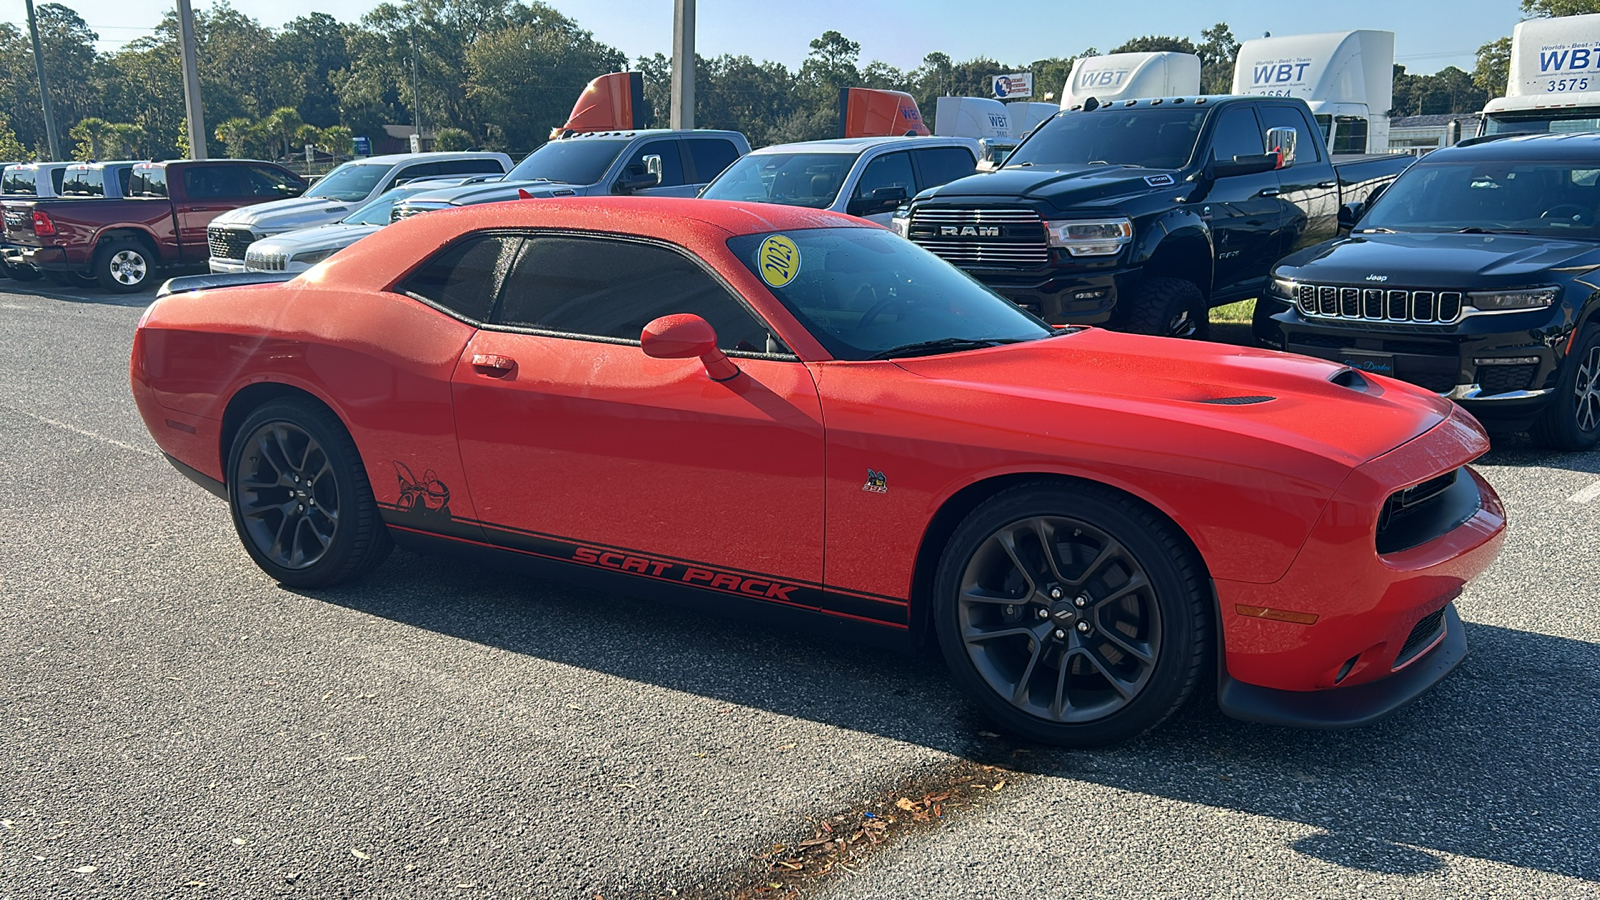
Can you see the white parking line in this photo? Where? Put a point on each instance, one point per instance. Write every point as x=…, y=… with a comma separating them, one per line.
x=1587, y=494
x=89, y=434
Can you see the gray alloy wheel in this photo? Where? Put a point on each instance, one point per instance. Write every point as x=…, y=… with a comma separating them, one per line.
x=123, y=267
x=1571, y=421
x=287, y=494
x=1586, y=391
x=1070, y=638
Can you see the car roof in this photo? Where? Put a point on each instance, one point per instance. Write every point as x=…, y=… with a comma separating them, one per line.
x=863, y=144
x=392, y=159
x=701, y=226
x=1580, y=145
x=648, y=132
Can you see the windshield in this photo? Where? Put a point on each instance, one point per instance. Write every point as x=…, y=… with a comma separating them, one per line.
x=793, y=179
x=1554, y=199
x=1541, y=123
x=571, y=161
x=377, y=212
x=866, y=293
x=1149, y=138
x=350, y=182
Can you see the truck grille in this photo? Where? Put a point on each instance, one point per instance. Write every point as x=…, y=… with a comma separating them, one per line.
x=229, y=243
x=265, y=262
x=983, y=238
x=1331, y=301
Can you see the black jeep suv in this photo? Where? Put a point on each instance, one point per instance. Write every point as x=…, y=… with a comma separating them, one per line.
x=1476, y=275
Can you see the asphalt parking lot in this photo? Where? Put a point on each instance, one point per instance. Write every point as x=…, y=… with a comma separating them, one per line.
x=175, y=724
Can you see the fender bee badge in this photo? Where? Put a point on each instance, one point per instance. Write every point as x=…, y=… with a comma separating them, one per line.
x=876, y=483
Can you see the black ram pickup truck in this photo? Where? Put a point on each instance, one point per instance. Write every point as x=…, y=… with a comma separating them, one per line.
x=1475, y=275
x=1143, y=214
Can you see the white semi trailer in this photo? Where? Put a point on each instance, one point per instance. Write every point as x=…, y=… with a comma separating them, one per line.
x=1554, y=84
x=1130, y=76
x=1346, y=77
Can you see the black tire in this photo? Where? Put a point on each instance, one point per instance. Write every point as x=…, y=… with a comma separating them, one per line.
x=271, y=495
x=1142, y=590
x=1572, y=419
x=1170, y=307
x=124, y=266
x=23, y=273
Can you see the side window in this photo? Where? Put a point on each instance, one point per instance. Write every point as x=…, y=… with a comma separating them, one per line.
x=266, y=182
x=463, y=277
x=942, y=165
x=598, y=287
x=671, y=162
x=207, y=182
x=470, y=166
x=56, y=177
x=1289, y=117
x=710, y=156
x=149, y=181
x=1237, y=134
x=412, y=173
x=124, y=178
x=889, y=170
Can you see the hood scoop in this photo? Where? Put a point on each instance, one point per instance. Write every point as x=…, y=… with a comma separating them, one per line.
x=1236, y=401
x=1351, y=379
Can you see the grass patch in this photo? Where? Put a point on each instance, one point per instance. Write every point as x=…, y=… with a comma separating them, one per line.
x=1234, y=313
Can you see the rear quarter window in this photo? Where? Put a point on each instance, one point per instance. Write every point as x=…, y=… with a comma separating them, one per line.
x=711, y=156
x=148, y=181
x=20, y=182
x=464, y=277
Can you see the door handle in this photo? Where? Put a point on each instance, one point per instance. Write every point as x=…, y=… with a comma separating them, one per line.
x=1269, y=192
x=1327, y=184
x=493, y=365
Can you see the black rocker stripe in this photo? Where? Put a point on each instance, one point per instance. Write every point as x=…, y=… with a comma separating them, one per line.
x=655, y=567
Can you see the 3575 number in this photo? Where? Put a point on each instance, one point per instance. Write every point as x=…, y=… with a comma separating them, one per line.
x=1560, y=85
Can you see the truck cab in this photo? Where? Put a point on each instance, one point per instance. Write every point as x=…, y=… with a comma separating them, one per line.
x=1345, y=77
x=648, y=162
x=1554, y=80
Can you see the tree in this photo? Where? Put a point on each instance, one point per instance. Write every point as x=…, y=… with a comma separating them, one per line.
x=11, y=149
x=1539, y=9
x=336, y=141
x=1493, y=71
x=312, y=48
x=125, y=140
x=452, y=139
x=91, y=134
x=1218, y=51
x=282, y=127
x=236, y=134
x=1157, y=44
x=524, y=78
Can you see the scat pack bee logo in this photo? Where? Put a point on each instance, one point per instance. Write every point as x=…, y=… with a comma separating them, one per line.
x=876, y=483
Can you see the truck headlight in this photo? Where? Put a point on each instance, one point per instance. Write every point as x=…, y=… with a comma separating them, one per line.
x=901, y=222
x=312, y=257
x=1509, y=301
x=1090, y=237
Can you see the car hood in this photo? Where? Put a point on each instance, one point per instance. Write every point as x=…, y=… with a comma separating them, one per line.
x=1461, y=261
x=1310, y=407
x=1064, y=187
x=324, y=238
x=490, y=192
x=286, y=215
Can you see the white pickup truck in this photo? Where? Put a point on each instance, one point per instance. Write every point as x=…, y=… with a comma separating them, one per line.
x=335, y=196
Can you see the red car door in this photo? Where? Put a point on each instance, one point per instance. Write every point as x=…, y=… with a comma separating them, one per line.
x=579, y=447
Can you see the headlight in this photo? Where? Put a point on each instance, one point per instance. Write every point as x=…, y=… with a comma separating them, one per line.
x=1090, y=237
x=901, y=222
x=1511, y=301
x=1284, y=288
x=312, y=257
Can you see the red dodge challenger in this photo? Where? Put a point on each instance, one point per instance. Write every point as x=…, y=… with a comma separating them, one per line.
x=800, y=412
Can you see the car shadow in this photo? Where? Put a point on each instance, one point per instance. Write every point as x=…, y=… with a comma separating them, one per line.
x=96, y=296
x=1498, y=762
x=1519, y=451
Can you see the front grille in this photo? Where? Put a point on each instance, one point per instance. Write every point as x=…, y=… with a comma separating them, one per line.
x=265, y=262
x=1421, y=637
x=1505, y=379
x=1330, y=301
x=1420, y=513
x=985, y=238
x=229, y=243
x=1438, y=382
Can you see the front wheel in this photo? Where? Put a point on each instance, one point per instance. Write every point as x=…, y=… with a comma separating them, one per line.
x=124, y=267
x=1072, y=615
x=1572, y=420
x=1170, y=307
x=300, y=497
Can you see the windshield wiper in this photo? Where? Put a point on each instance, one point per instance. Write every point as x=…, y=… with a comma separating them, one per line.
x=1473, y=229
x=1377, y=231
x=941, y=345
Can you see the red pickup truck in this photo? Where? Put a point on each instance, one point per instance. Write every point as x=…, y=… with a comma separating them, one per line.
x=119, y=244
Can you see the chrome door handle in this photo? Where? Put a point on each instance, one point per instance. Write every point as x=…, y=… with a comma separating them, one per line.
x=1269, y=192
x=1327, y=184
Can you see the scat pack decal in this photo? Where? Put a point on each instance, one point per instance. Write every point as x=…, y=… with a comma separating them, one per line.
x=778, y=260
x=669, y=570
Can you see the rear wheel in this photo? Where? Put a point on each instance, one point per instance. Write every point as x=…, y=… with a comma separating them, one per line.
x=300, y=497
x=124, y=267
x=1072, y=614
x=1170, y=307
x=1572, y=420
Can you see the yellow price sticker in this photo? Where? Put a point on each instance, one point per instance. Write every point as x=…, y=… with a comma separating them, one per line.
x=778, y=260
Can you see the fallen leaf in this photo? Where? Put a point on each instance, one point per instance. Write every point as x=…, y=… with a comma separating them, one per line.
x=819, y=839
x=573, y=706
x=702, y=755
x=358, y=854
x=906, y=804
x=85, y=870
x=998, y=785
x=792, y=866
x=632, y=787
x=194, y=884
x=787, y=746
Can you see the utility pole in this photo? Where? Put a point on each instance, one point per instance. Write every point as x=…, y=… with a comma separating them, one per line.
x=683, y=64
x=191, y=82
x=416, y=99
x=53, y=139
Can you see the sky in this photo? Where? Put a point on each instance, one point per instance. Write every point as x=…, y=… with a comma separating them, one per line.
x=1429, y=34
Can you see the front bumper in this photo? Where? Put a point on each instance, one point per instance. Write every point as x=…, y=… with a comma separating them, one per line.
x=220, y=266
x=1504, y=368
x=1347, y=616
x=1078, y=296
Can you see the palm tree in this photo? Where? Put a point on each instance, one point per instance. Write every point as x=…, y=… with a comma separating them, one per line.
x=236, y=134
x=91, y=136
x=336, y=141
x=281, y=125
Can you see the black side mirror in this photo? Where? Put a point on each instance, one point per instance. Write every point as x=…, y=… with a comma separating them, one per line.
x=1252, y=164
x=880, y=200
x=640, y=176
